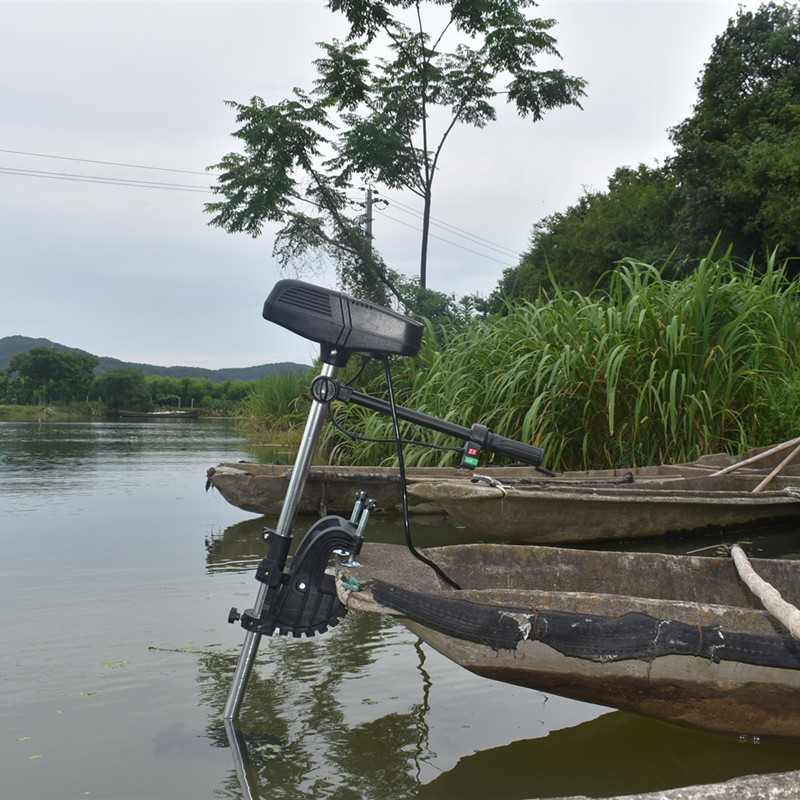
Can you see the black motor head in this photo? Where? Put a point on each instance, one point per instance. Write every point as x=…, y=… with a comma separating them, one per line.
x=340, y=324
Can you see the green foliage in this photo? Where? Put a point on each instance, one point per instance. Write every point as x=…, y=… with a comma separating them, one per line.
x=581, y=246
x=187, y=392
x=64, y=378
x=370, y=118
x=124, y=388
x=279, y=177
x=276, y=406
x=734, y=179
x=651, y=371
x=738, y=155
x=48, y=373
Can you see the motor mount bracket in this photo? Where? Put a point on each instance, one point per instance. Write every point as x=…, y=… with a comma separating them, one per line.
x=303, y=599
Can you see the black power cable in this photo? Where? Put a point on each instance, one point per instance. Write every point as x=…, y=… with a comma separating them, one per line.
x=353, y=435
x=401, y=465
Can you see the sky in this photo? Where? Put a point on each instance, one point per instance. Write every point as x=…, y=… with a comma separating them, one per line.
x=110, y=113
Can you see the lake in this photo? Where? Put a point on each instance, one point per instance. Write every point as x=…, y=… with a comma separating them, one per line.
x=118, y=570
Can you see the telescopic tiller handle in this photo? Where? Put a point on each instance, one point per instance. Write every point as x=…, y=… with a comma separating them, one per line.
x=517, y=451
x=478, y=437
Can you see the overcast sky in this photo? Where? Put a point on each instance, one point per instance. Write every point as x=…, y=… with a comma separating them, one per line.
x=134, y=271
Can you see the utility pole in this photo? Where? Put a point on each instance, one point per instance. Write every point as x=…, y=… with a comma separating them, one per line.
x=373, y=199
x=369, y=213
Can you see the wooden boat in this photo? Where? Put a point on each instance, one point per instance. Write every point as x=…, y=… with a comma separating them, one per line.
x=520, y=504
x=261, y=488
x=188, y=414
x=561, y=510
x=677, y=638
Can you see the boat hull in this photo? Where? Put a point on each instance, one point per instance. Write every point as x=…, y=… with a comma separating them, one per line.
x=261, y=488
x=559, y=514
x=676, y=638
x=729, y=699
x=518, y=504
x=330, y=489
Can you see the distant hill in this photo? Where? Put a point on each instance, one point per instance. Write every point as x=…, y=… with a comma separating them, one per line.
x=12, y=345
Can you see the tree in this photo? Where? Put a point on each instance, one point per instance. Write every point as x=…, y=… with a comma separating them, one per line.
x=163, y=390
x=384, y=106
x=123, y=388
x=48, y=371
x=579, y=247
x=734, y=181
x=738, y=155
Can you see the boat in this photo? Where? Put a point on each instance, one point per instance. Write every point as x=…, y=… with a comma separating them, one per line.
x=330, y=489
x=678, y=638
x=261, y=488
x=521, y=504
x=564, y=510
x=188, y=414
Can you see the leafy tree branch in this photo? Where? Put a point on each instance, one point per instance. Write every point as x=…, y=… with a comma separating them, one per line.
x=370, y=118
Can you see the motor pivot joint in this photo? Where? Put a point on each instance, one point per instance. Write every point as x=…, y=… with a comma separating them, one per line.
x=324, y=389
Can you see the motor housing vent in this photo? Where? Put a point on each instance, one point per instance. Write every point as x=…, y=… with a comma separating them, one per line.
x=341, y=324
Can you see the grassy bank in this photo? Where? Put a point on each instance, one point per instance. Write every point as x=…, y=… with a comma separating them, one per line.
x=276, y=408
x=75, y=411
x=650, y=372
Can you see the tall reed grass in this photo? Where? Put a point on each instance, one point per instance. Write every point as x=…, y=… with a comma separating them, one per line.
x=650, y=371
x=276, y=408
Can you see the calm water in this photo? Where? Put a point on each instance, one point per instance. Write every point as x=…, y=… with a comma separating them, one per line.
x=117, y=574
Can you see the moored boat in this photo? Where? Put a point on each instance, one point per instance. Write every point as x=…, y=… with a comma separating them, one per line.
x=261, y=488
x=187, y=414
x=570, y=511
x=521, y=504
x=677, y=638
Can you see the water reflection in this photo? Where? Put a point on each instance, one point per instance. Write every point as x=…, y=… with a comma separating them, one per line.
x=297, y=735
x=367, y=710
x=68, y=457
x=778, y=541
x=240, y=547
x=593, y=757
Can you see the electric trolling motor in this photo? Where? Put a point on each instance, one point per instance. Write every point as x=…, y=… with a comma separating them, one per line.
x=301, y=599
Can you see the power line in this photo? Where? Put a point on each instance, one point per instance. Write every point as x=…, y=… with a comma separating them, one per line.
x=107, y=163
x=65, y=176
x=132, y=182
x=447, y=241
x=459, y=231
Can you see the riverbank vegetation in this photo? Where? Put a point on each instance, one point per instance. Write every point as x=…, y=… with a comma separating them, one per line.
x=649, y=371
x=47, y=382
x=276, y=408
x=57, y=412
x=734, y=176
